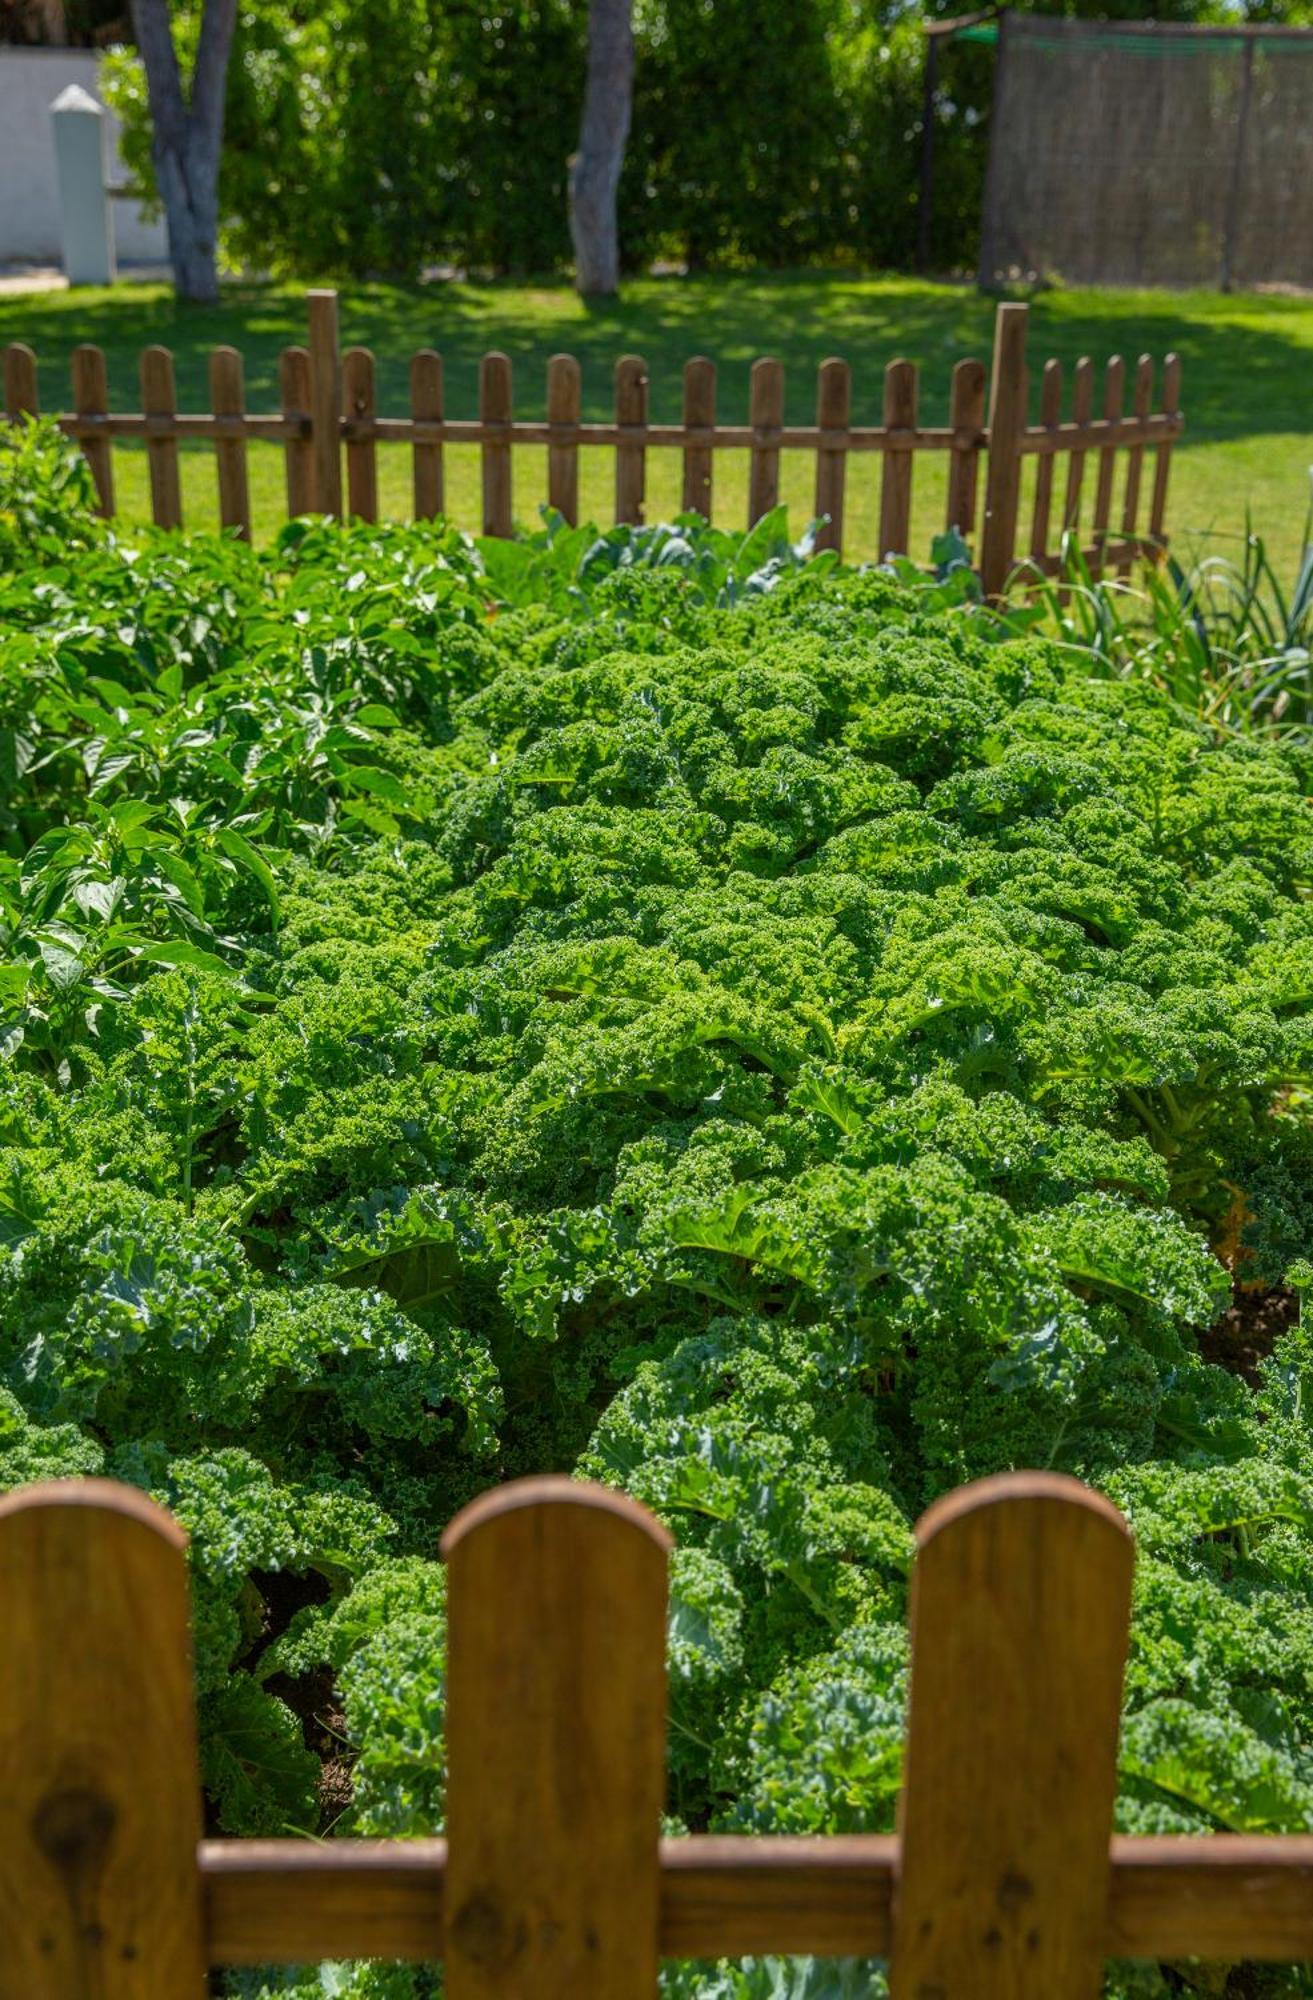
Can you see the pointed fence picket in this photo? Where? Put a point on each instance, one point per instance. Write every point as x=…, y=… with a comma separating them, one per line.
x=329, y=410
x=1002, y=1883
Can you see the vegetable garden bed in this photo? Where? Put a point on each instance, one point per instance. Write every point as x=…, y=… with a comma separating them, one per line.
x=767, y=1048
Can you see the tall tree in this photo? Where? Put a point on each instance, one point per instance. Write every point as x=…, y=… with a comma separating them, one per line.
x=595, y=168
x=187, y=136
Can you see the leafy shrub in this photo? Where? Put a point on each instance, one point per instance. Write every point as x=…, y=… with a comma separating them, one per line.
x=470, y=1012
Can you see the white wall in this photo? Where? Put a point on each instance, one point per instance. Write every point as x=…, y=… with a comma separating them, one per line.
x=30, y=81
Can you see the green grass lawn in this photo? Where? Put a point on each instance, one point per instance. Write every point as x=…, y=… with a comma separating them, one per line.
x=1248, y=363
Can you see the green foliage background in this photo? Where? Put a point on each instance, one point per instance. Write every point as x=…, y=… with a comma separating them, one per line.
x=657, y=1006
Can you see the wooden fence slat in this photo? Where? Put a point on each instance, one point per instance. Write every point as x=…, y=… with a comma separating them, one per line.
x=91, y=399
x=1007, y=420
x=556, y=1694
x=100, y=1893
x=20, y=381
x=896, y=476
x=496, y=391
x=325, y=403
x=1020, y=1614
x=358, y=402
x=426, y=405
x=766, y=416
x=159, y=399
x=1141, y=404
x=699, y=413
x=631, y=459
x=834, y=389
x=1163, y=464
x=1082, y=405
x=966, y=415
x=298, y=452
x=1050, y=412
x=564, y=406
x=1114, y=389
x=228, y=399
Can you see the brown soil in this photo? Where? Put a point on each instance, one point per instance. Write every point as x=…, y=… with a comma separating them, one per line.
x=1249, y=1329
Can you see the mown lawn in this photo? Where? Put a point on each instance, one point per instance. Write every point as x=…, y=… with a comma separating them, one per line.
x=1248, y=363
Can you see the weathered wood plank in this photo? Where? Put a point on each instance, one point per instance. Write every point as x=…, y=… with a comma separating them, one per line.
x=228, y=399
x=159, y=399
x=426, y=406
x=91, y=399
x=564, y=407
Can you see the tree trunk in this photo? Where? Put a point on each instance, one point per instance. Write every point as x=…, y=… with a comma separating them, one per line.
x=187, y=138
x=595, y=168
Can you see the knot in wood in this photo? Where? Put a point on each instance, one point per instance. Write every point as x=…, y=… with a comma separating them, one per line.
x=74, y=1828
x=481, y=1934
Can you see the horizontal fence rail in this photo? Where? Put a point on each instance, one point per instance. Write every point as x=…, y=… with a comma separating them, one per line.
x=1003, y=1881
x=329, y=410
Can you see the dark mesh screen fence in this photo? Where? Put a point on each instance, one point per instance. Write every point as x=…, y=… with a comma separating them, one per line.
x=1150, y=155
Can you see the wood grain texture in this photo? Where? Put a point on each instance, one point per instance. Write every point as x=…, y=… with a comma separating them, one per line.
x=564, y=406
x=91, y=399
x=1082, y=405
x=100, y=1895
x=325, y=403
x=1020, y=1612
x=631, y=455
x=1007, y=420
x=426, y=406
x=496, y=392
x=1141, y=403
x=1114, y=392
x=967, y=418
x=555, y=1744
x=1223, y=1898
x=766, y=418
x=21, y=398
x=228, y=399
x=834, y=391
x=896, y=478
x=359, y=405
x=699, y=414
x=1163, y=458
x=298, y=452
x=1050, y=413
x=159, y=399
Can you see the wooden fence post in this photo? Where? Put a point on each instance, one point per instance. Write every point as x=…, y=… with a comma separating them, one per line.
x=766, y=415
x=325, y=403
x=495, y=407
x=631, y=458
x=1007, y=420
x=100, y=1888
x=1141, y=404
x=228, y=399
x=1114, y=396
x=1050, y=415
x=564, y=402
x=699, y=414
x=20, y=381
x=833, y=413
x=426, y=405
x=359, y=405
x=159, y=398
x=91, y=399
x=298, y=452
x=1163, y=461
x=555, y=1744
x=896, y=482
x=1020, y=1611
x=966, y=417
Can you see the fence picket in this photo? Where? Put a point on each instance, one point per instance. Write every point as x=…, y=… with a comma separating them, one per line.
x=159, y=399
x=564, y=403
x=1082, y=408
x=555, y=1744
x=426, y=406
x=1141, y=404
x=1162, y=467
x=699, y=414
x=1020, y=1612
x=896, y=479
x=228, y=399
x=1007, y=420
x=325, y=403
x=496, y=392
x=359, y=406
x=966, y=416
x=630, y=458
x=91, y=399
x=298, y=452
x=766, y=416
x=1050, y=413
x=20, y=382
x=1114, y=388
x=100, y=1814
x=834, y=390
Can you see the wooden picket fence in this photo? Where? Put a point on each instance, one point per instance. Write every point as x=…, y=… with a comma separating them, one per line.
x=329, y=404
x=1002, y=1883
